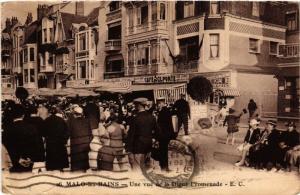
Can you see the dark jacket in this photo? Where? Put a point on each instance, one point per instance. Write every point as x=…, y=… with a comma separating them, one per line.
x=254, y=137
x=92, y=112
x=140, y=134
x=232, y=121
x=290, y=138
x=22, y=141
x=252, y=106
x=182, y=107
x=56, y=137
x=38, y=123
x=165, y=129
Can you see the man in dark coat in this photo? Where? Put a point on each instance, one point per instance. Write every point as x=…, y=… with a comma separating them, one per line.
x=56, y=136
x=80, y=138
x=92, y=112
x=140, y=134
x=183, y=113
x=37, y=122
x=21, y=142
x=165, y=132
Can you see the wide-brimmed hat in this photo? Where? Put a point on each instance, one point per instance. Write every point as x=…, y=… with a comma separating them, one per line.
x=272, y=122
x=78, y=110
x=141, y=100
x=291, y=124
x=253, y=122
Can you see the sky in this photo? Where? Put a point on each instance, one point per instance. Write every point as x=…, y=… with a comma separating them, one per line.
x=20, y=9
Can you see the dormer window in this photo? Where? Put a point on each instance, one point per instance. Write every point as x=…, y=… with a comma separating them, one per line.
x=113, y=6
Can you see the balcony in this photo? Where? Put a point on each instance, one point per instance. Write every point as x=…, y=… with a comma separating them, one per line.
x=289, y=51
x=79, y=83
x=114, y=15
x=111, y=75
x=191, y=66
x=17, y=69
x=142, y=70
x=47, y=68
x=113, y=45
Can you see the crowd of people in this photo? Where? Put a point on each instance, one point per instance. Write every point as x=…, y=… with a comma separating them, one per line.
x=37, y=133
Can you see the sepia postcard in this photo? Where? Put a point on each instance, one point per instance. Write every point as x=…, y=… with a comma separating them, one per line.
x=150, y=97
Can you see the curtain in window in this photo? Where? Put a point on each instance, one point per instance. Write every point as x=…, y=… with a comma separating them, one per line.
x=214, y=46
x=162, y=11
x=31, y=75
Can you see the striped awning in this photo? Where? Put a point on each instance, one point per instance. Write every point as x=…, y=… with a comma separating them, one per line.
x=228, y=92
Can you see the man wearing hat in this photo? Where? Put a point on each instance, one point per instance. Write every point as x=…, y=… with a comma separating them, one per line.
x=289, y=139
x=165, y=132
x=268, y=154
x=183, y=113
x=140, y=134
x=251, y=137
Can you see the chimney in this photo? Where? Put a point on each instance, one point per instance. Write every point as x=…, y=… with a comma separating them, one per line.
x=42, y=11
x=29, y=18
x=79, y=8
x=7, y=23
x=14, y=21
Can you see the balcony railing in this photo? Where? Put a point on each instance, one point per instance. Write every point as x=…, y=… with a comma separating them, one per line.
x=47, y=68
x=154, y=25
x=289, y=50
x=142, y=69
x=116, y=14
x=116, y=74
x=191, y=66
x=113, y=45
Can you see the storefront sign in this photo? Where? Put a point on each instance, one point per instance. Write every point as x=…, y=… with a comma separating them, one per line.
x=158, y=79
x=220, y=79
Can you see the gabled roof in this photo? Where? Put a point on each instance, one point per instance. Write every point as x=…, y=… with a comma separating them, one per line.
x=92, y=18
x=68, y=19
x=31, y=33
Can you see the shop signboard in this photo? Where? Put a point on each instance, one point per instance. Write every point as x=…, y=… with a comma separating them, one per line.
x=217, y=79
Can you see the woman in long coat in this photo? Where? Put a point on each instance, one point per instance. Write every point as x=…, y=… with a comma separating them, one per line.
x=80, y=138
x=56, y=137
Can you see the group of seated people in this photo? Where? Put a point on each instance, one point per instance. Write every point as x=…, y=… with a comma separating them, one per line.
x=270, y=148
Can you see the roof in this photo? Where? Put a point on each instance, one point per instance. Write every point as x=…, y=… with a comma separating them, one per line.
x=31, y=33
x=251, y=69
x=68, y=19
x=92, y=18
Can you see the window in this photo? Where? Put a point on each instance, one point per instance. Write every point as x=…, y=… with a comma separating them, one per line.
x=144, y=15
x=214, y=8
x=82, y=70
x=291, y=21
x=82, y=42
x=255, y=8
x=26, y=75
x=115, y=5
x=253, y=45
x=273, y=48
x=114, y=32
x=154, y=11
x=189, y=49
x=130, y=17
x=21, y=40
x=92, y=69
x=214, y=45
x=114, y=66
x=31, y=54
x=45, y=35
x=50, y=60
x=51, y=34
x=31, y=75
x=162, y=11
x=179, y=6
x=188, y=9
x=25, y=55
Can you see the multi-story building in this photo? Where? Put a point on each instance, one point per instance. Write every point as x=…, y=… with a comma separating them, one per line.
x=6, y=63
x=29, y=54
x=231, y=43
x=17, y=36
x=288, y=74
